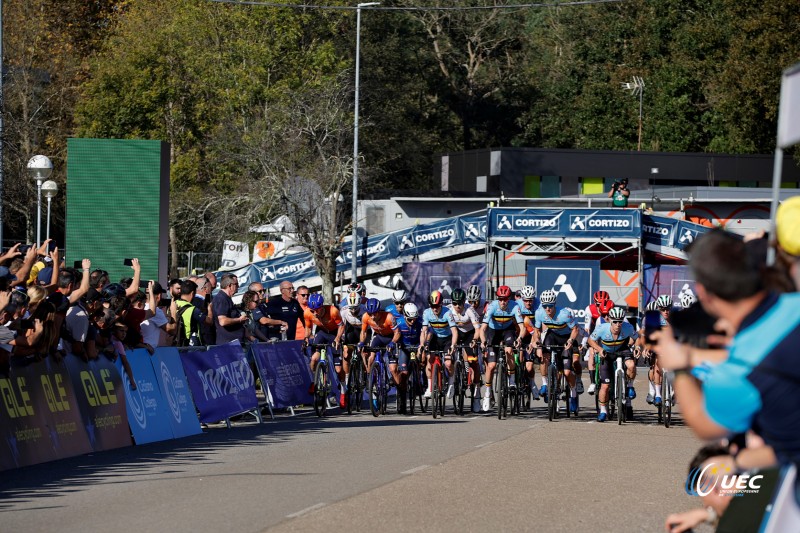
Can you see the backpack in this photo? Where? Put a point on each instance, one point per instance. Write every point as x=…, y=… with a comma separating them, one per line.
x=181, y=339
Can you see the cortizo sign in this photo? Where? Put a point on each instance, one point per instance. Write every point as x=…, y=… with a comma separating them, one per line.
x=656, y=230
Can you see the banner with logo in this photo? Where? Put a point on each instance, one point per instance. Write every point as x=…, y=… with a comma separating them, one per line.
x=573, y=223
x=147, y=413
x=235, y=254
x=373, y=249
x=472, y=229
x=284, y=367
x=674, y=280
x=420, y=239
x=175, y=392
x=424, y=278
x=221, y=381
x=688, y=232
x=575, y=281
x=101, y=401
x=265, y=250
x=658, y=231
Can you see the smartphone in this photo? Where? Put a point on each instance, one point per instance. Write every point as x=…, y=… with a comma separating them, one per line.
x=78, y=264
x=165, y=302
x=652, y=323
x=143, y=284
x=51, y=246
x=24, y=249
x=127, y=262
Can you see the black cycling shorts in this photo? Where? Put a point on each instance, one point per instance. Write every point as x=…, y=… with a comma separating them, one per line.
x=607, y=364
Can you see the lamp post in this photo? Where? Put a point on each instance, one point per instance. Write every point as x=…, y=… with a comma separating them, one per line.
x=39, y=167
x=50, y=190
x=637, y=87
x=355, y=137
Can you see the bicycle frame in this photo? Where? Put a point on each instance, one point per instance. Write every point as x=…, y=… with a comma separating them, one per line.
x=439, y=379
x=556, y=380
x=322, y=385
x=620, y=387
x=378, y=381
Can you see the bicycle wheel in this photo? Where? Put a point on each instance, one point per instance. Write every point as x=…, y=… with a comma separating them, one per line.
x=612, y=395
x=385, y=390
x=552, y=392
x=320, y=394
x=374, y=389
x=350, y=390
x=567, y=396
x=435, y=384
x=620, y=391
x=666, y=398
x=413, y=386
x=597, y=384
x=460, y=387
x=443, y=381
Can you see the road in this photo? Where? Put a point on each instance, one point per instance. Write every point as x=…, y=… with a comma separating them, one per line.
x=393, y=472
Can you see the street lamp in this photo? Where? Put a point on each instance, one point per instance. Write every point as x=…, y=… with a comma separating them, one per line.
x=50, y=190
x=355, y=137
x=637, y=87
x=39, y=167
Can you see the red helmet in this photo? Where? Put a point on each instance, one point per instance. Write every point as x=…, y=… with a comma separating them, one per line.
x=504, y=291
x=605, y=306
x=601, y=296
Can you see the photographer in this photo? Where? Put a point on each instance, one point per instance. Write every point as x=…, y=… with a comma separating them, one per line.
x=619, y=193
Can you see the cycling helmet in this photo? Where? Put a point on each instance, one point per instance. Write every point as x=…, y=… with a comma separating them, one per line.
x=504, y=291
x=473, y=293
x=315, y=301
x=373, y=306
x=605, y=306
x=399, y=296
x=664, y=301
x=652, y=306
x=353, y=287
x=616, y=313
x=360, y=289
x=353, y=300
x=410, y=310
x=687, y=299
x=458, y=296
x=435, y=298
x=600, y=296
x=548, y=297
x=528, y=292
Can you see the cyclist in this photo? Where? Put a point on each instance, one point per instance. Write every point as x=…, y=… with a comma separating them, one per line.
x=596, y=314
x=467, y=322
x=474, y=300
x=382, y=325
x=352, y=315
x=562, y=330
x=528, y=312
x=357, y=288
x=438, y=332
x=329, y=330
x=610, y=340
x=407, y=339
x=501, y=323
x=664, y=306
x=399, y=299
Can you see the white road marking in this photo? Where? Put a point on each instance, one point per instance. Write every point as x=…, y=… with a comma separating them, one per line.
x=484, y=444
x=414, y=470
x=301, y=512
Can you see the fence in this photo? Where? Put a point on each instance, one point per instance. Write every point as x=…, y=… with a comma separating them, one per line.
x=190, y=263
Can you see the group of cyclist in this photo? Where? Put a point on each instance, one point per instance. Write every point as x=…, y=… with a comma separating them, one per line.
x=495, y=329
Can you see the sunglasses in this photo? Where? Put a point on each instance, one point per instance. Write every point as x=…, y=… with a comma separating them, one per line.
x=548, y=306
x=502, y=299
x=616, y=321
x=303, y=294
x=528, y=301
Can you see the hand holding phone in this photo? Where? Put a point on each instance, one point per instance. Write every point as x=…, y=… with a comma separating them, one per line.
x=127, y=262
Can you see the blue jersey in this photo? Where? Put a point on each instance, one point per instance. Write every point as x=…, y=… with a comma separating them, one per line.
x=409, y=335
x=561, y=324
x=499, y=319
x=602, y=336
x=441, y=323
x=392, y=309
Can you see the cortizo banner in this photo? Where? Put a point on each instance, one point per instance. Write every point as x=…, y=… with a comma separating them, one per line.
x=562, y=223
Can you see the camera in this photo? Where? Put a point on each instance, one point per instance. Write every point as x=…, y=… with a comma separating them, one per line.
x=693, y=325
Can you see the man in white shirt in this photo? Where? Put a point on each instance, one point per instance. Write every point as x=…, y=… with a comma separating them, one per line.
x=152, y=326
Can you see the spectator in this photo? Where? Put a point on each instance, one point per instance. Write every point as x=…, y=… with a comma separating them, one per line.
x=302, y=298
x=260, y=312
x=98, y=336
x=188, y=317
x=286, y=309
x=252, y=330
x=117, y=348
x=175, y=288
x=153, y=325
x=619, y=193
x=203, y=300
x=98, y=280
x=21, y=268
x=34, y=296
x=41, y=339
x=131, y=317
x=228, y=319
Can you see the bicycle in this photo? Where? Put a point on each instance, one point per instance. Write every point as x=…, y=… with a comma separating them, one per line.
x=322, y=385
x=355, y=381
x=439, y=380
x=379, y=382
x=501, y=381
x=666, y=398
x=557, y=381
x=415, y=386
x=620, y=388
x=522, y=399
x=611, y=389
x=462, y=379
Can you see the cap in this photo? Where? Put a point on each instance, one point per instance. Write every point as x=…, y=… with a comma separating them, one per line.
x=787, y=222
x=158, y=289
x=5, y=273
x=45, y=275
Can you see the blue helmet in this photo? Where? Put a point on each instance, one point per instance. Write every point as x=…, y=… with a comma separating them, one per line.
x=373, y=306
x=315, y=301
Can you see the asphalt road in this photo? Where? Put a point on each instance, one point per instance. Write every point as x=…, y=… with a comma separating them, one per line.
x=393, y=472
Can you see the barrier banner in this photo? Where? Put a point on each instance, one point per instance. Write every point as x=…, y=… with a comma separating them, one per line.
x=373, y=249
x=688, y=232
x=221, y=381
x=99, y=393
x=674, y=280
x=658, y=231
x=573, y=223
x=472, y=229
x=420, y=239
x=424, y=278
x=147, y=412
x=175, y=392
x=23, y=421
x=575, y=281
x=284, y=367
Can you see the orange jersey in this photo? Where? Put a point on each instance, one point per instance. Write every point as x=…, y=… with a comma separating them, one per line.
x=328, y=318
x=383, y=323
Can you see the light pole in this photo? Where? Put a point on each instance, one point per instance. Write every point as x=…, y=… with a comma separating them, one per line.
x=637, y=87
x=353, y=275
x=50, y=190
x=39, y=167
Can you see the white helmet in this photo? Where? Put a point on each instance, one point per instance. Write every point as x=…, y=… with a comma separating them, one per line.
x=687, y=299
x=353, y=300
x=528, y=292
x=548, y=297
x=410, y=310
x=473, y=293
x=616, y=313
x=651, y=306
x=664, y=301
x=399, y=296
